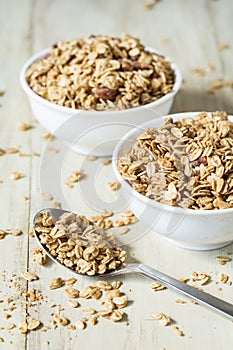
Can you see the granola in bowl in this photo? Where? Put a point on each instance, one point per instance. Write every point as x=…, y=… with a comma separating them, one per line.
x=101, y=72
x=176, y=172
x=186, y=162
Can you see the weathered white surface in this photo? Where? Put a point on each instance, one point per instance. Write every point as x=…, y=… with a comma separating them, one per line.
x=193, y=31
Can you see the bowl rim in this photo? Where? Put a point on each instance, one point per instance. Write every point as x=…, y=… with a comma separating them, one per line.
x=41, y=100
x=131, y=135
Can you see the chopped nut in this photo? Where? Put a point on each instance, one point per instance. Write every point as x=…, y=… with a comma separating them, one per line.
x=29, y=276
x=56, y=283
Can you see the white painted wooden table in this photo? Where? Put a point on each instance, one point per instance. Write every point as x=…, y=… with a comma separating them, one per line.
x=188, y=31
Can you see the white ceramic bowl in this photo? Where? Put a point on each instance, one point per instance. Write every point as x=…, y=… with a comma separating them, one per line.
x=187, y=228
x=94, y=132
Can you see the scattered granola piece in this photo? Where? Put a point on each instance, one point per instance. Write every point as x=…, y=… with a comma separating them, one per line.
x=224, y=278
x=149, y=4
x=31, y=232
x=11, y=326
x=156, y=286
x=80, y=324
x=222, y=47
x=14, y=232
x=33, y=324
x=71, y=292
x=106, y=161
x=70, y=281
x=164, y=319
x=24, y=126
x=6, y=316
x=94, y=320
x=39, y=256
x=46, y=196
x=76, y=176
x=91, y=158
x=1, y=340
x=89, y=310
x=180, y=301
x=47, y=136
x=116, y=315
x=73, y=303
x=223, y=259
x=22, y=327
x=53, y=150
x=15, y=175
x=56, y=205
x=12, y=150
x=178, y=331
x=200, y=276
x=2, y=151
x=114, y=186
x=56, y=283
x=63, y=321
x=29, y=276
x=25, y=198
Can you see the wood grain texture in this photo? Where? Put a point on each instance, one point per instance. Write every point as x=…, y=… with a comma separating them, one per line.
x=187, y=31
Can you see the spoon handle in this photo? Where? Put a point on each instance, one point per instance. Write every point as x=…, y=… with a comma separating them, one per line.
x=214, y=303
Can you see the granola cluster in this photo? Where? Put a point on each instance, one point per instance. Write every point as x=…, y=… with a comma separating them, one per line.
x=79, y=244
x=186, y=163
x=102, y=73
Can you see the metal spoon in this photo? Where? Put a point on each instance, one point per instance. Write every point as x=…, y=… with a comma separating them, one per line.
x=201, y=297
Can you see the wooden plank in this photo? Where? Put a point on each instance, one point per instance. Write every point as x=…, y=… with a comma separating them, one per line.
x=15, y=48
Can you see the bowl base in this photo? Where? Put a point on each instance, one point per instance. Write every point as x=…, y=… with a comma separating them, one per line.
x=198, y=246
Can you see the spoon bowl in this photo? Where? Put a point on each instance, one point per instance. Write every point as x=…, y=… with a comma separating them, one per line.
x=201, y=297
